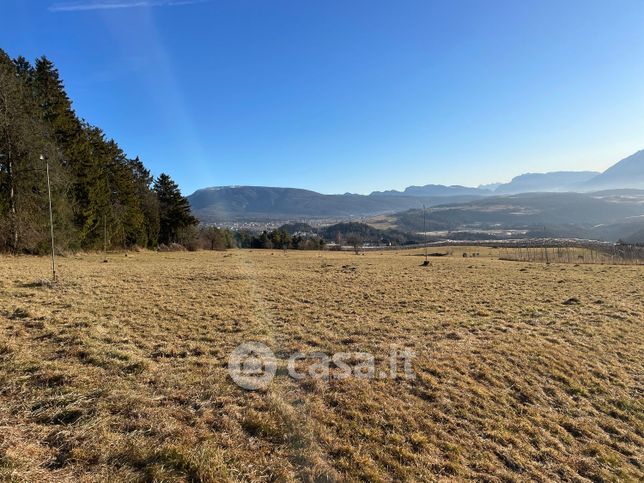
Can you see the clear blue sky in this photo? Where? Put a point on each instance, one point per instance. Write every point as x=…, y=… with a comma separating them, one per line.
x=348, y=95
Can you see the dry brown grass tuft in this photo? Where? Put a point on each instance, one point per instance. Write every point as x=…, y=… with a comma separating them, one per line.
x=119, y=371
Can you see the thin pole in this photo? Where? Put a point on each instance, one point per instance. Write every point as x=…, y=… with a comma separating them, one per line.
x=425, y=231
x=51, y=226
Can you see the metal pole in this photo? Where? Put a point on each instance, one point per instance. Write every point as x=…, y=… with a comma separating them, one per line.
x=51, y=225
x=425, y=232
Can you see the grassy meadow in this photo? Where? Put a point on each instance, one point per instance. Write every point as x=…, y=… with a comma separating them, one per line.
x=524, y=371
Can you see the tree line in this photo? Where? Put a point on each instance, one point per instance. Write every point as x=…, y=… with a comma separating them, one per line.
x=304, y=236
x=355, y=233
x=279, y=238
x=207, y=237
x=100, y=197
x=293, y=236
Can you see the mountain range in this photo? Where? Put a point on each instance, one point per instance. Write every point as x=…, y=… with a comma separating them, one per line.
x=553, y=182
x=627, y=173
x=242, y=203
x=435, y=190
x=578, y=203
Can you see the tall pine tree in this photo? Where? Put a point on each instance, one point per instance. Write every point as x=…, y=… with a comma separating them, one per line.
x=174, y=210
x=23, y=140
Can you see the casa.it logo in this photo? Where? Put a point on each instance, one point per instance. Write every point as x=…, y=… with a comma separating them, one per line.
x=252, y=366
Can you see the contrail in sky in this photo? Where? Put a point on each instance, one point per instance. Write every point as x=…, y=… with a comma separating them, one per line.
x=116, y=4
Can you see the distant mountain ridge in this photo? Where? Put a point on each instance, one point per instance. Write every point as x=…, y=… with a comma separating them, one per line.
x=628, y=173
x=435, y=190
x=555, y=181
x=228, y=203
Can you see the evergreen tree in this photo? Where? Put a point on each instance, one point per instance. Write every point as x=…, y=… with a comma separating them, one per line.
x=56, y=108
x=174, y=210
x=149, y=203
x=23, y=140
x=125, y=208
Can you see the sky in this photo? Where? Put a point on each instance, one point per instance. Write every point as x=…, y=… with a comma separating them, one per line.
x=348, y=95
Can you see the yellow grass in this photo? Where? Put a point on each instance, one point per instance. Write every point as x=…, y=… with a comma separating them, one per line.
x=523, y=371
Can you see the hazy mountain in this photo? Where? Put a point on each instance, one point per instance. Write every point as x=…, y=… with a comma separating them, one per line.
x=554, y=181
x=387, y=193
x=262, y=202
x=435, y=190
x=489, y=186
x=605, y=215
x=628, y=173
x=441, y=190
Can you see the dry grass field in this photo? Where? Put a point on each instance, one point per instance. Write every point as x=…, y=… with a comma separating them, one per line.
x=119, y=372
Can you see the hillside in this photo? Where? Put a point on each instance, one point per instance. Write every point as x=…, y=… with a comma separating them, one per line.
x=635, y=237
x=262, y=202
x=344, y=232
